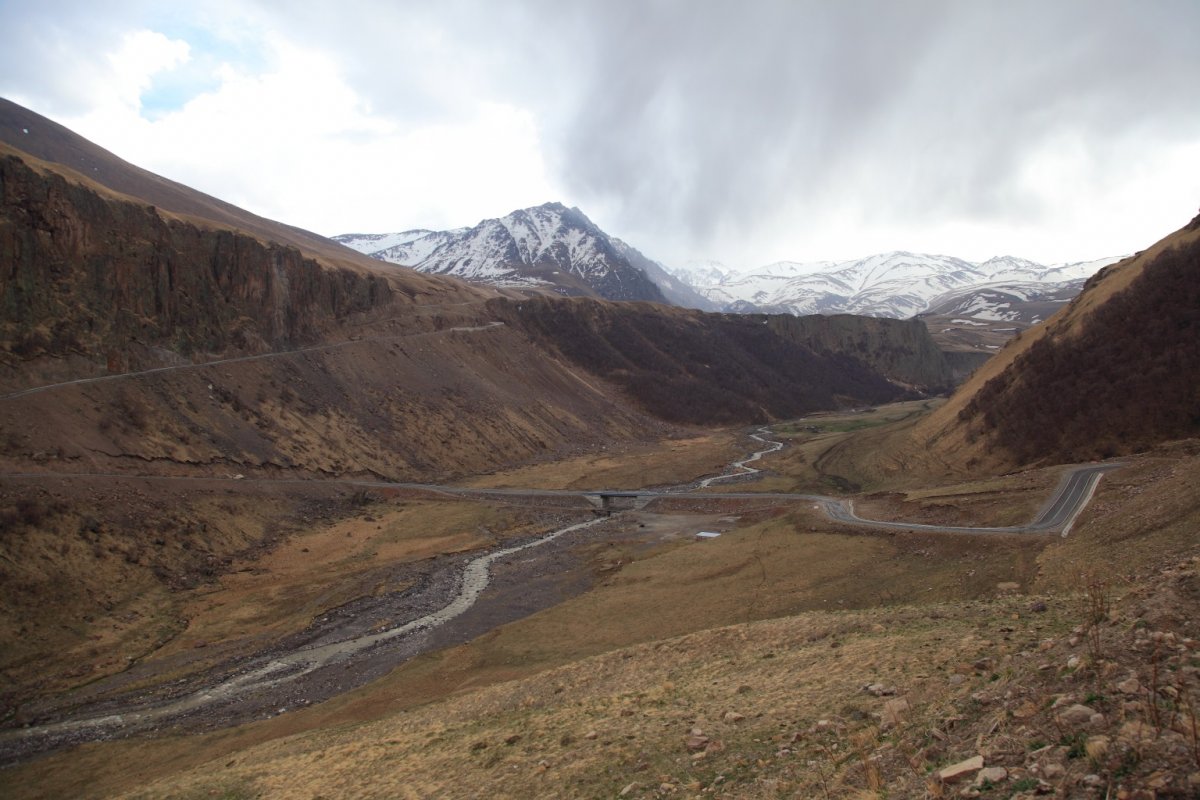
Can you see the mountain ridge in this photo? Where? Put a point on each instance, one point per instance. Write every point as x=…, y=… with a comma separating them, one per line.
x=554, y=248
x=1111, y=373
x=547, y=248
x=896, y=284
x=30, y=134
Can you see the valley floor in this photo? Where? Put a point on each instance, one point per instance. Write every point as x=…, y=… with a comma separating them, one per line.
x=608, y=698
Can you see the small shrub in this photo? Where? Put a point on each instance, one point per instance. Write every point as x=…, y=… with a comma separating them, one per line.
x=30, y=512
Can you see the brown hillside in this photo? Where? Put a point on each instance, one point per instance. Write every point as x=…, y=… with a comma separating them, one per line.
x=150, y=338
x=697, y=368
x=88, y=275
x=903, y=350
x=46, y=141
x=1113, y=372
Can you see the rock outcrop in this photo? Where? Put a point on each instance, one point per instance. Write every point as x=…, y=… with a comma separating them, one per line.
x=86, y=272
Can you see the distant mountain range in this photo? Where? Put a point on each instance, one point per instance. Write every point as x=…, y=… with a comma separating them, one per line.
x=558, y=249
x=897, y=284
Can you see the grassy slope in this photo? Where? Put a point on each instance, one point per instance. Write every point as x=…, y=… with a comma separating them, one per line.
x=592, y=727
x=439, y=724
x=941, y=445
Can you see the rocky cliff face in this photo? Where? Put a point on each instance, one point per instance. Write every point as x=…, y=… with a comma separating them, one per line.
x=695, y=368
x=89, y=274
x=902, y=350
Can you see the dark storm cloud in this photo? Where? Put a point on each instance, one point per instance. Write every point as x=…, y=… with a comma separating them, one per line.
x=704, y=119
x=710, y=115
x=687, y=123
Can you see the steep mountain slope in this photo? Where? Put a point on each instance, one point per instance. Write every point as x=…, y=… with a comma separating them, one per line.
x=676, y=291
x=549, y=247
x=90, y=278
x=975, y=321
x=133, y=339
x=45, y=140
x=1114, y=372
x=99, y=285
x=689, y=367
x=1125, y=380
x=1023, y=304
x=902, y=350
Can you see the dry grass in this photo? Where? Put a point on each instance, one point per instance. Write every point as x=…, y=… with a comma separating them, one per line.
x=81, y=597
x=1008, y=500
x=766, y=568
x=816, y=612
x=849, y=452
x=330, y=565
x=628, y=465
x=594, y=727
x=533, y=737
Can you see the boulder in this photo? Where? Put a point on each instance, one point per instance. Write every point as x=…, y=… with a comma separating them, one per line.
x=961, y=771
x=1076, y=716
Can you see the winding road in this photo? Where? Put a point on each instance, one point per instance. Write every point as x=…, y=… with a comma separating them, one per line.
x=271, y=672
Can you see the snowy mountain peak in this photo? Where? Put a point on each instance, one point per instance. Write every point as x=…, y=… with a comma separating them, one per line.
x=898, y=283
x=550, y=247
x=702, y=273
x=373, y=242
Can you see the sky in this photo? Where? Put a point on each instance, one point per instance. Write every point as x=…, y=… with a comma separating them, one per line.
x=741, y=131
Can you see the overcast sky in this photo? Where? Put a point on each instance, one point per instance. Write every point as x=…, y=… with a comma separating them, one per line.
x=746, y=131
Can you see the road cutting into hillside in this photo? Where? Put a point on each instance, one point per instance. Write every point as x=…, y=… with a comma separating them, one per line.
x=243, y=359
x=347, y=647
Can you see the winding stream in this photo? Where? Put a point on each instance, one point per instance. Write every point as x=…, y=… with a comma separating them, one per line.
x=742, y=466
x=283, y=668
x=340, y=650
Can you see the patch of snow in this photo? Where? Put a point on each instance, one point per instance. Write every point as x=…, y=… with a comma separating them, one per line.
x=896, y=284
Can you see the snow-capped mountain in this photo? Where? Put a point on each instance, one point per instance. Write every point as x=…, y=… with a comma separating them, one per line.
x=701, y=274
x=548, y=247
x=405, y=247
x=1023, y=303
x=897, y=284
x=555, y=248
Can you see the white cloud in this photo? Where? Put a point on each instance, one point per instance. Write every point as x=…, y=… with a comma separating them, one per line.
x=776, y=129
x=296, y=143
x=142, y=55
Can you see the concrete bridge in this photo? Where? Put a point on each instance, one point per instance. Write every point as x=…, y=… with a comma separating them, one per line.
x=608, y=502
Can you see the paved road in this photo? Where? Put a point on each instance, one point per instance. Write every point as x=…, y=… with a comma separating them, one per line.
x=1058, y=514
x=273, y=671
